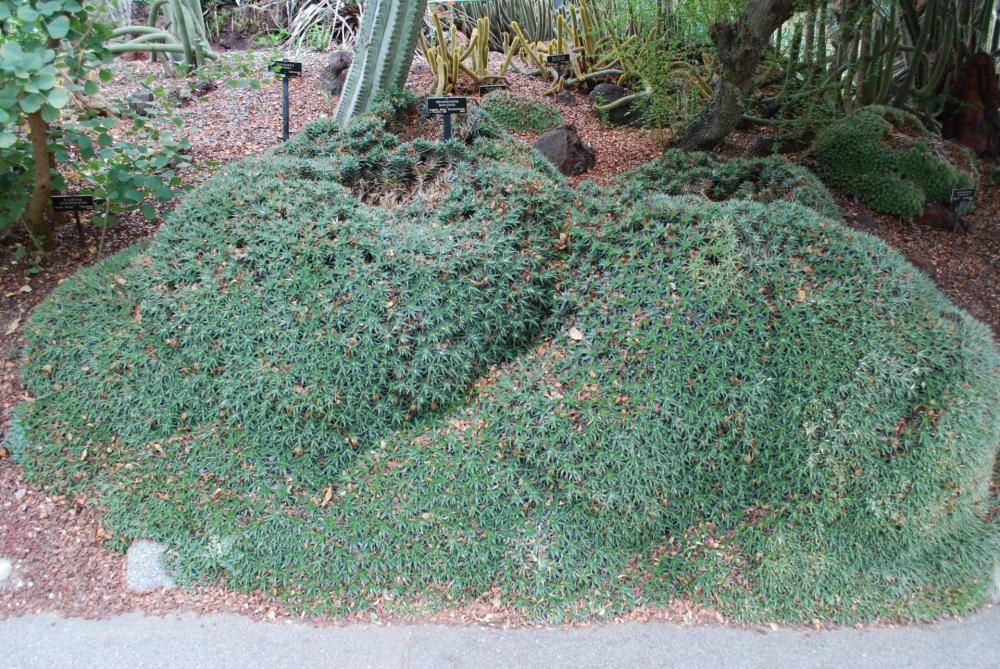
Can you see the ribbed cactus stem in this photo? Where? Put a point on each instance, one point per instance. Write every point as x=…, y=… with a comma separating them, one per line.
x=386, y=44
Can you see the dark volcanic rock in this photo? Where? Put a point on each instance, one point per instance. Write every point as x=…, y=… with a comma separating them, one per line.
x=564, y=148
x=937, y=216
x=627, y=114
x=141, y=103
x=566, y=97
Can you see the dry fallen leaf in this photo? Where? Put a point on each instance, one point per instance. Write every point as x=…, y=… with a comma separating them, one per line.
x=12, y=327
x=327, y=496
x=800, y=296
x=575, y=334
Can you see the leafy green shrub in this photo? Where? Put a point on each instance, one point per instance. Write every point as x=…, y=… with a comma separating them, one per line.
x=745, y=404
x=889, y=160
x=765, y=180
x=517, y=113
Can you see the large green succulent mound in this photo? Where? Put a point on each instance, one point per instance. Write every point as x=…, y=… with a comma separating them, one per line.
x=888, y=159
x=517, y=113
x=377, y=378
x=769, y=179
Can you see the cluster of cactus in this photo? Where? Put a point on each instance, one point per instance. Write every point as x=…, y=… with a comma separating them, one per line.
x=536, y=20
x=593, y=50
x=888, y=160
x=904, y=56
x=449, y=57
x=183, y=39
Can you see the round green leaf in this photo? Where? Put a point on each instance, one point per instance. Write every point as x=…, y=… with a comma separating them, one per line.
x=7, y=139
x=27, y=13
x=58, y=27
x=58, y=98
x=44, y=81
x=31, y=103
x=49, y=113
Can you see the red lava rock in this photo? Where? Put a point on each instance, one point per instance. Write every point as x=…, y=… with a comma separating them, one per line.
x=937, y=216
x=924, y=264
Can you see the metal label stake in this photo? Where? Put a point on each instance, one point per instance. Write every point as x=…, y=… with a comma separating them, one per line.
x=445, y=107
x=74, y=204
x=960, y=196
x=286, y=69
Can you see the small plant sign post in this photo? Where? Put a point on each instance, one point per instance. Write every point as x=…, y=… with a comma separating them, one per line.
x=486, y=89
x=445, y=107
x=286, y=69
x=959, y=198
x=74, y=204
x=560, y=60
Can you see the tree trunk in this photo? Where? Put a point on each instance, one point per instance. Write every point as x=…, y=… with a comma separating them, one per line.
x=37, y=215
x=972, y=115
x=739, y=46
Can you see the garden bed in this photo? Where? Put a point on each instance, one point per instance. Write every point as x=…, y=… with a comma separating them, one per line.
x=48, y=535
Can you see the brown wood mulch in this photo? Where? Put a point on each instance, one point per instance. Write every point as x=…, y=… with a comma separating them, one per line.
x=57, y=544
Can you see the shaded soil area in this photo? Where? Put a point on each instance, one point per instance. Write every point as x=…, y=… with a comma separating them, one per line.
x=57, y=544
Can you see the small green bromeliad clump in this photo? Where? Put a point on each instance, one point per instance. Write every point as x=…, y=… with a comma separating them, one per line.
x=516, y=113
x=888, y=159
x=365, y=374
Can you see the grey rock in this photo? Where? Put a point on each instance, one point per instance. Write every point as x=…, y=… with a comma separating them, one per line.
x=333, y=76
x=564, y=149
x=865, y=221
x=144, y=569
x=203, y=88
x=567, y=98
x=6, y=569
x=628, y=114
x=19, y=494
x=186, y=94
x=141, y=103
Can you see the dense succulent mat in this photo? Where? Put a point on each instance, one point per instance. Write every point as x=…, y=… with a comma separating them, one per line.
x=517, y=113
x=360, y=372
x=889, y=160
x=769, y=179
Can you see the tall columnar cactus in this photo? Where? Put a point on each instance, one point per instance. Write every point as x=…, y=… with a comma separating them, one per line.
x=386, y=44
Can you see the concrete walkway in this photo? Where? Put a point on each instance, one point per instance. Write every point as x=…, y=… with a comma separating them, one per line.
x=135, y=641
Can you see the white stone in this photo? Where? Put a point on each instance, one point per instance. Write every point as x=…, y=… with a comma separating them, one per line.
x=6, y=569
x=144, y=570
